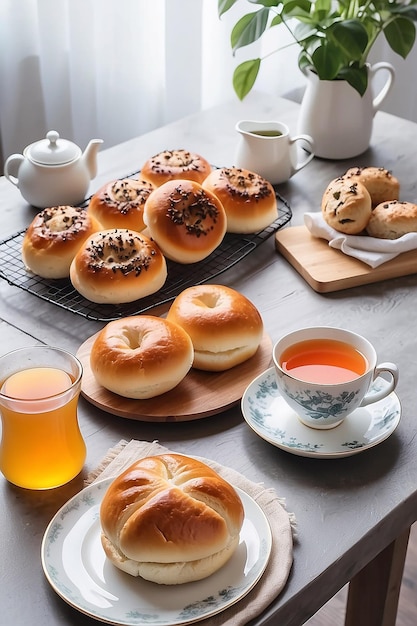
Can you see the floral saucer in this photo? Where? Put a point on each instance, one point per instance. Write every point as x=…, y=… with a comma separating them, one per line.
x=271, y=418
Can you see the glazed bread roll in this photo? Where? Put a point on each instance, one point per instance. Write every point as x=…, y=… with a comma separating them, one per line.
x=118, y=265
x=141, y=357
x=225, y=327
x=248, y=199
x=170, y=519
x=346, y=206
x=119, y=204
x=380, y=183
x=175, y=165
x=390, y=220
x=53, y=239
x=186, y=221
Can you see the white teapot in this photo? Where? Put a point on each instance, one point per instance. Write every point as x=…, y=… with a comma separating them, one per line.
x=53, y=171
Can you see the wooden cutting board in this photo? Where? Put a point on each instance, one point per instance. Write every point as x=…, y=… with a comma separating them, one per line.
x=326, y=269
x=199, y=395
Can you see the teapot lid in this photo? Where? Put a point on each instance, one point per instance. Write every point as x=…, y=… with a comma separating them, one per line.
x=53, y=150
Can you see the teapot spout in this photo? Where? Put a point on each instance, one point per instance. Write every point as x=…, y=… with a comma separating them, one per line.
x=90, y=156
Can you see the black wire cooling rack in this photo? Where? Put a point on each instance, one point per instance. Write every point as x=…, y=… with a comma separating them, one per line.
x=61, y=292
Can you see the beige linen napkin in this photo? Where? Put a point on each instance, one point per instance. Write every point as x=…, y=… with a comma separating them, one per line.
x=370, y=250
x=282, y=527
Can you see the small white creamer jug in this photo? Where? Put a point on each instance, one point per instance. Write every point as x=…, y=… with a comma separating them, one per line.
x=266, y=147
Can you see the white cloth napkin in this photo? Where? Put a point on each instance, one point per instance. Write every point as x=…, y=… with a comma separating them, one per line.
x=370, y=250
x=282, y=525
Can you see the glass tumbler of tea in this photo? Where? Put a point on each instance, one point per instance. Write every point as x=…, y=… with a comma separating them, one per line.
x=41, y=445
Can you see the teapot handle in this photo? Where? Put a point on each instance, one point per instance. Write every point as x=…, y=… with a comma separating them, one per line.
x=380, y=97
x=11, y=168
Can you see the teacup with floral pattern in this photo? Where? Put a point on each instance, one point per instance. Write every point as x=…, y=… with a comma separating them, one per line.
x=309, y=388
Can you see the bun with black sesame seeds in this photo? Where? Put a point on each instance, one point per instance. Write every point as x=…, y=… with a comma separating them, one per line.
x=175, y=165
x=187, y=222
x=114, y=266
x=53, y=239
x=248, y=199
x=119, y=203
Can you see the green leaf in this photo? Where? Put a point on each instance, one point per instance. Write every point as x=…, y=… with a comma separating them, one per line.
x=327, y=60
x=249, y=28
x=224, y=5
x=265, y=3
x=323, y=5
x=276, y=20
x=301, y=9
x=290, y=6
x=244, y=77
x=357, y=77
x=400, y=35
x=350, y=36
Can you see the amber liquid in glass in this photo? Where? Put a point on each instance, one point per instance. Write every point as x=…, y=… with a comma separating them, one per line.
x=325, y=361
x=41, y=447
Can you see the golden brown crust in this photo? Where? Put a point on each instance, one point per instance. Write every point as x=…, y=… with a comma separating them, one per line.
x=119, y=204
x=390, y=220
x=53, y=239
x=141, y=356
x=170, y=509
x=248, y=199
x=346, y=206
x=225, y=327
x=186, y=221
x=174, y=165
x=380, y=182
x=118, y=265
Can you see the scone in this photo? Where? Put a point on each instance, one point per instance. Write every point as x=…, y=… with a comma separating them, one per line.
x=380, y=183
x=346, y=206
x=390, y=220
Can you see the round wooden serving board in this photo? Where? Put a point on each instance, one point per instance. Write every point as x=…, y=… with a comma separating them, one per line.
x=199, y=394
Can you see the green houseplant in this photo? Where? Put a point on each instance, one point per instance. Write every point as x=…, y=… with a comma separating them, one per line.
x=335, y=37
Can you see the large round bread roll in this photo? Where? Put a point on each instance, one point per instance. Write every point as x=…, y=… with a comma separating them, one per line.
x=391, y=220
x=170, y=519
x=187, y=222
x=346, y=206
x=225, y=327
x=381, y=184
x=54, y=237
x=141, y=356
x=175, y=165
x=248, y=199
x=118, y=265
x=119, y=204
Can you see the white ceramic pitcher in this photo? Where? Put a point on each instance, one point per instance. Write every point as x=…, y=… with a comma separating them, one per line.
x=266, y=147
x=338, y=118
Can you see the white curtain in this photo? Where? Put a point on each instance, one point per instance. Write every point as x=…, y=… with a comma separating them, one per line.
x=115, y=69
x=112, y=69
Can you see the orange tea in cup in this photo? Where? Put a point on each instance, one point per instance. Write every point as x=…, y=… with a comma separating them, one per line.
x=325, y=361
x=41, y=444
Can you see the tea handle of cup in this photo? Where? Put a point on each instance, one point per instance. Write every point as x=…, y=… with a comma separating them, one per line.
x=391, y=369
x=310, y=143
x=11, y=168
x=380, y=97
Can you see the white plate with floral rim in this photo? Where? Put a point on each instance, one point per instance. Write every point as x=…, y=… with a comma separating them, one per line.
x=267, y=413
x=77, y=569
